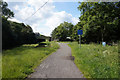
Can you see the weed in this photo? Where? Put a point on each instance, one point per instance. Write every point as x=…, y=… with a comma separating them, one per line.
x=21, y=61
x=96, y=61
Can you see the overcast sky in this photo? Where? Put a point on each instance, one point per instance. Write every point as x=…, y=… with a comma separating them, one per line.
x=47, y=18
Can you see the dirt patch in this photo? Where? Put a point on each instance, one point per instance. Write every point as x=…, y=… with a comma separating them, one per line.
x=70, y=58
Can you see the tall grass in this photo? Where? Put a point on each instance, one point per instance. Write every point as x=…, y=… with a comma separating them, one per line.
x=96, y=61
x=21, y=61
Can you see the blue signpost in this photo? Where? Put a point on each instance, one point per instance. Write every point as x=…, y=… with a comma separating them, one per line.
x=80, y=32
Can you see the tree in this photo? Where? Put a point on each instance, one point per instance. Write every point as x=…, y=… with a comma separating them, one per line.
x=100, y=21
x=5, y=10
x=15, y=34
x=54, y=36
x=75, y=30
x=23, y=33
x=7, y=34
x=63, y=31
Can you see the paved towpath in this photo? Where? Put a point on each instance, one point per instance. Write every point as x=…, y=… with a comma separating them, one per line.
x=58, y=65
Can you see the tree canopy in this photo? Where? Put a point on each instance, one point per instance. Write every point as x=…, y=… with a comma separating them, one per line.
x=5, y=10
x=63, y=31
x=13, y=33
x=100, y=21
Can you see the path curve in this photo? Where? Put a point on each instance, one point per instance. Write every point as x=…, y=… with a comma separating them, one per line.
x=58, y=65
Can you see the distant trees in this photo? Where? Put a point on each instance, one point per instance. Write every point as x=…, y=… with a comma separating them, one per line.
x=13, y=33
x=100, y=21
x=22, y=33
x=63, y=31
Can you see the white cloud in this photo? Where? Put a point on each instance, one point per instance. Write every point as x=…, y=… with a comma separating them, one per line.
x=61, y=0
x=14, y=19
x=45, y=20
x=32, y=6
x=59, y=17
x=45, y=30
x=37, y=3
x=75, y=20
x=24, y=13
x=16, y=7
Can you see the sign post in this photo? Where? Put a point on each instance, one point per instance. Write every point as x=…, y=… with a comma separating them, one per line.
x=80, y=32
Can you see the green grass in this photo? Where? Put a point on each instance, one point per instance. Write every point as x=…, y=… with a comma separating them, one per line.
x=96, y=61
x=118, y=46
x=64, y=41
x=21, y=61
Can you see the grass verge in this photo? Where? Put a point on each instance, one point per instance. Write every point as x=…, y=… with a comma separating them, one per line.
x=96, y=61
x=21, y=61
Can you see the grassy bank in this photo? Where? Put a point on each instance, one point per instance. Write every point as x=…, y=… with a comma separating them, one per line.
x=96, y=61
x=21, y=61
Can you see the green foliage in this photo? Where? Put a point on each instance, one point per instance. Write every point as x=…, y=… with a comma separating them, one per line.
x=75, y=30
x=96, y=61
x=21, y=61
x=5, y=10
x=23, y=33
x=63, y=31
x=15, y=34
x=7, y=34
x=48, y=43
x=119, y=47
x=100, y=21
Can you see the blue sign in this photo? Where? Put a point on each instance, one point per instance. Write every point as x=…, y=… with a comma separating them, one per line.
x=80, y=32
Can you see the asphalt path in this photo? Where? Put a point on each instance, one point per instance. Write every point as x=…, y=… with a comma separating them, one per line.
x=58, y=65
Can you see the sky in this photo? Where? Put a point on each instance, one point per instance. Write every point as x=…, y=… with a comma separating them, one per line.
x=48, y=17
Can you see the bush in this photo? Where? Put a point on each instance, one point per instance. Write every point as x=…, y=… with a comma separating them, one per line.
x=15, y=34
